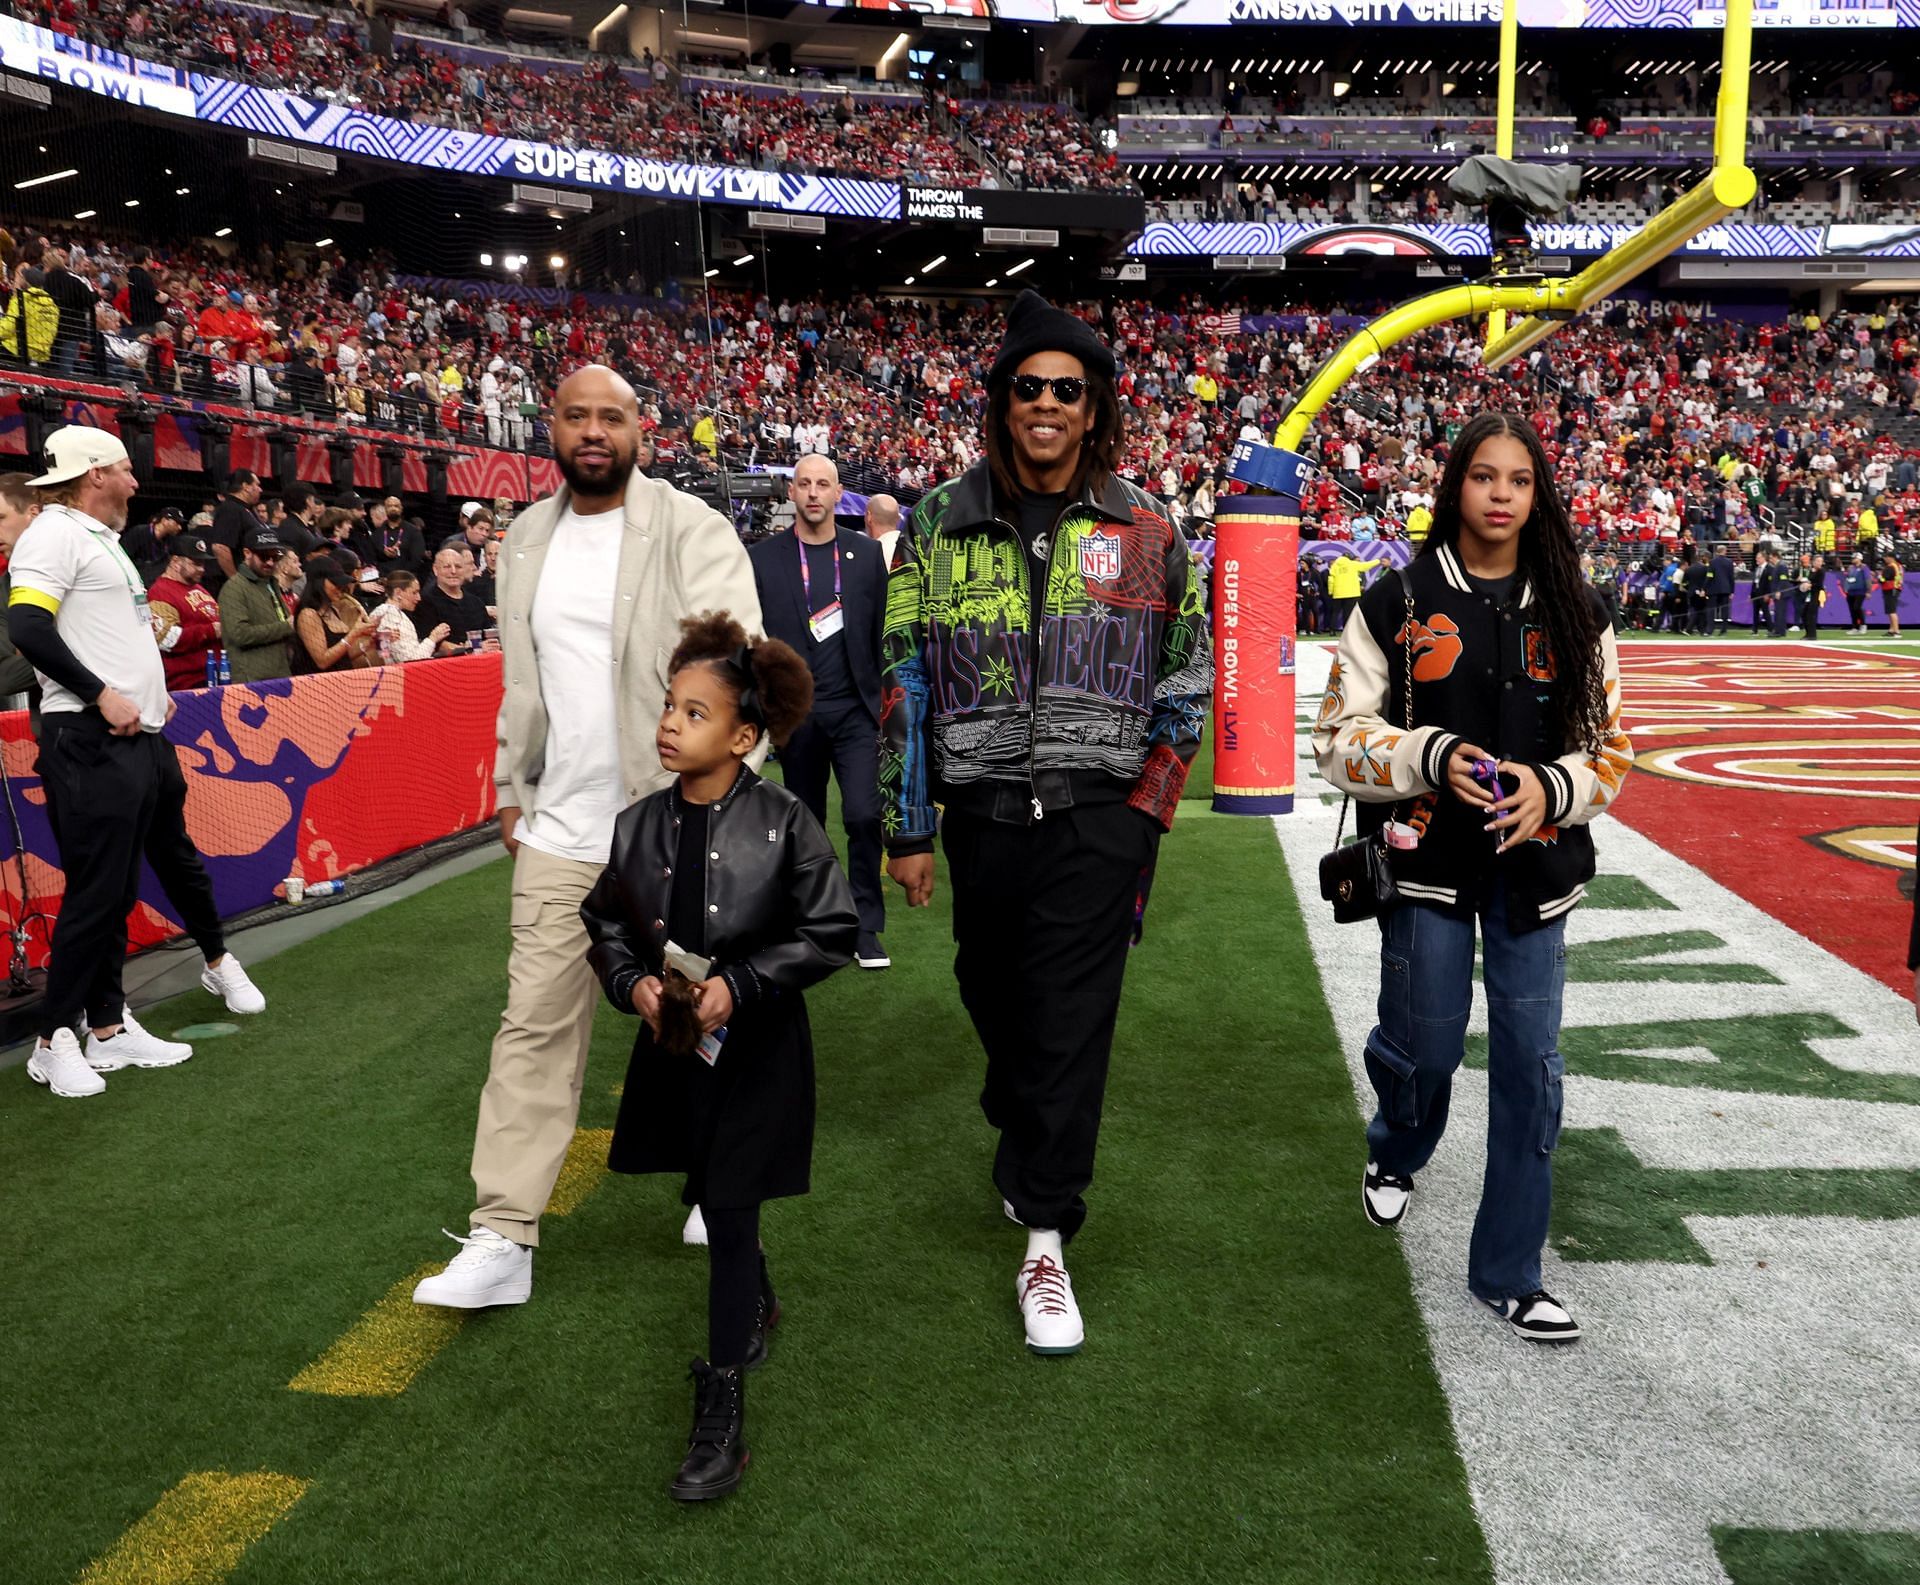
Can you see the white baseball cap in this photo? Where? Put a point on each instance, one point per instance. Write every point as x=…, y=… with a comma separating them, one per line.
x=469, y=509
x=71, y=451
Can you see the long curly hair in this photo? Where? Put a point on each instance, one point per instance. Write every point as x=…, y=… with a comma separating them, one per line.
x=1550, y=566
x=1099, y=451
x=772, y=685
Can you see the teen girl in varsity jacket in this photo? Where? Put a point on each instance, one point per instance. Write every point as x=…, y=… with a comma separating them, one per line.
x=1514, y=662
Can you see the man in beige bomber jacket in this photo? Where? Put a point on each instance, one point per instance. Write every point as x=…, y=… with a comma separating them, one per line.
x=593, y=584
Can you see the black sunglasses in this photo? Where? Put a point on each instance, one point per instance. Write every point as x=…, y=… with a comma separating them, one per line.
x=1066, y=390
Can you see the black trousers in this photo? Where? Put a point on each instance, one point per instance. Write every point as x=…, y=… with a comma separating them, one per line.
x=111, y=802
x=1783, y=612
x=1857, y=610
x=1342, y=610
x=842, y=739
x=1722, y=612
x=1042, y=919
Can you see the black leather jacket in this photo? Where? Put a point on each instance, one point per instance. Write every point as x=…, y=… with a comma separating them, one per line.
x=780, y=914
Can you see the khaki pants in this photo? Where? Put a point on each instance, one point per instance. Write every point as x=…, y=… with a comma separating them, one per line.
x=532, y=1096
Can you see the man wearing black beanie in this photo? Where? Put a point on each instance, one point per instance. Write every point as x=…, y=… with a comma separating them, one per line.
x=1047, y=678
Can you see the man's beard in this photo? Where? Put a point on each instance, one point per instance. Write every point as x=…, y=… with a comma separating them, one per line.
x=582, y=481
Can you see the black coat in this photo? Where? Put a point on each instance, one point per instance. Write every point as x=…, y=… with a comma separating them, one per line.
x=780, y=917
x=863, y=593
x=1721, y=568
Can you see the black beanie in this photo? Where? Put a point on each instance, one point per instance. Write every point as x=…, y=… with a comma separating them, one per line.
x=1035, y=325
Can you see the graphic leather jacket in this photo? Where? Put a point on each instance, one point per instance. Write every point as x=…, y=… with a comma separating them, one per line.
x=981, y=710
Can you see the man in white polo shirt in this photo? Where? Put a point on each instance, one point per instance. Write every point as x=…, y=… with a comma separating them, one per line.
x=113, y=785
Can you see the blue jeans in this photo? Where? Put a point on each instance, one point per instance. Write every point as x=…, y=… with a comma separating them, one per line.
x=1426, y=990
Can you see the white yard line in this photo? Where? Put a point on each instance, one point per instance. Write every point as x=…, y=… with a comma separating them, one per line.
x=1777, y=1388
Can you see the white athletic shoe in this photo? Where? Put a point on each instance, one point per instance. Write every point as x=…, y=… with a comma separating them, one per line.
x=61, y=1068
x=489, y=1270
x=134, y=1047
x=230, y=983
x=1046, y=1305
x=695, y=1232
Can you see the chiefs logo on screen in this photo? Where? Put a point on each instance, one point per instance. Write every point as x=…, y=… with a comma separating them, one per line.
x=1380, y=241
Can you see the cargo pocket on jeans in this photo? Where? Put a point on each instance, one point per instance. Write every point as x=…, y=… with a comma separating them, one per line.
x=1553, y=1087
x=1395, y=1082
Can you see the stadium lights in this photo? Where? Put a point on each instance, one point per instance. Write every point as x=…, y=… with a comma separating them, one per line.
x=224, y=231
x=711, y=273
x=41, y=181
x=324, y=242
x=1341, y=87
x=486, y=261
x=933, y=264
x=181, y=192
x=745, y=258
x=893, y=51
x=911, y=279
x=1018, y=268
x=1447, y=88
x=86, y=214
x=994, y=281
x=131, y=203
x=556, y=261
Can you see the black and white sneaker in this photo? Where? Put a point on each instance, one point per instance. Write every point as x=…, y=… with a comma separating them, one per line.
x=1384, y=1196
x=1538, y=1317
x=869, y=953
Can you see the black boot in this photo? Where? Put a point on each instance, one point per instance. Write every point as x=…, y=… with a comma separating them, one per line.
x=716, y=1446
x=766, y=1317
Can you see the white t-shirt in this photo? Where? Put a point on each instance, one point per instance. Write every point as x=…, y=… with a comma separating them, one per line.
x=72, y=565
x=581, y=792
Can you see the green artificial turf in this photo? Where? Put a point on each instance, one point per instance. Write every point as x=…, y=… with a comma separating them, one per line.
x=1255, y=1401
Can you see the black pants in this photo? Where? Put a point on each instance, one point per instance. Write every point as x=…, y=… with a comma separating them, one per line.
x=842, y=739
x=112, y=801
x=1042, y=916
x=1857, y=610
x=1722, y=612
x=1342, y=609
x=1762, y=611
x=1783, y=612
x=733, y=1283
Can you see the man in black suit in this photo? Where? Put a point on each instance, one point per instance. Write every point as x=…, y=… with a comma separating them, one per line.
x=1697, y=578
x=1763, y=591
x=1720, y=586
x=824, y=591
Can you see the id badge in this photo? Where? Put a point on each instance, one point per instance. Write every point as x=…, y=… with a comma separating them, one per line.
x=710, y=1044
x=143, y=613
x=825, y=623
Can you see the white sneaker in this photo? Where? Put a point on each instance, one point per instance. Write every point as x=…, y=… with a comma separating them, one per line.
x=1046, y=1305
x=61, y=1068
x=230, y=983
x=134, y=1047
x=489, y=1270
x=695, y=1232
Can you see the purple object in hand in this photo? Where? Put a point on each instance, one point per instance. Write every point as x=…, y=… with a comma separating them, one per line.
x=1487, y=772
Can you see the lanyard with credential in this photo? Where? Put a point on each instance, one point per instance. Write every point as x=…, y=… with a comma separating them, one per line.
x=806, y=574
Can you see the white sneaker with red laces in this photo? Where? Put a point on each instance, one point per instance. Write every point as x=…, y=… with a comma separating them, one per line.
x=1047, y=1307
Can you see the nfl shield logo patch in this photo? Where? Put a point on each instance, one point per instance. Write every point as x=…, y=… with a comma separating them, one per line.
x=1100, y=557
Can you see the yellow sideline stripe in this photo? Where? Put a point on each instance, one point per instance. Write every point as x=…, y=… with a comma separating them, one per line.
x=580, y=1174
x=381, y=1353
x=386, y=1348
x=197, y=1533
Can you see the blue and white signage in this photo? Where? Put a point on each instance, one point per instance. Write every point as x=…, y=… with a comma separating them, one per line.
x=269, y=112
x=1267, y=239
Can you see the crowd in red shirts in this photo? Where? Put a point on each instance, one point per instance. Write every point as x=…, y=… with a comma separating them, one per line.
x=1661, y=424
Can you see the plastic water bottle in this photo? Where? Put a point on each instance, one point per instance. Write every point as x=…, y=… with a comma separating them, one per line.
x=213, y=667
x=326, y=888
x=226, y=671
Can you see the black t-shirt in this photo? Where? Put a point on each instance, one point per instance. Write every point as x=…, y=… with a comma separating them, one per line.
x=686, y=904
x=1035, y=518
x=233, y=521
x=1495, y=589
x=463, y=615
x=832, y=674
